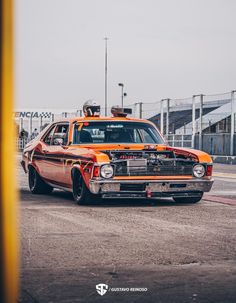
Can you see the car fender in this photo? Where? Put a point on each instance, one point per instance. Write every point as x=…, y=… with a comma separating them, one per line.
x=77, y=167
x=200, y=155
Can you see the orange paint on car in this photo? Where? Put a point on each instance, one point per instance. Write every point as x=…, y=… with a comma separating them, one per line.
x=82, y=154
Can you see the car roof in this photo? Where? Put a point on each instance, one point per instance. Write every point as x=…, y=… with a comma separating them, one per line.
x=86, y=119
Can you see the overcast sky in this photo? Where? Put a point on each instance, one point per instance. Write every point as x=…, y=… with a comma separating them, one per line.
x=157, y=48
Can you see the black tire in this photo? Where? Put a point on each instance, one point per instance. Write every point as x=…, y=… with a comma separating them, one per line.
x=81, y=193
x=36, y=183
x=188, y=199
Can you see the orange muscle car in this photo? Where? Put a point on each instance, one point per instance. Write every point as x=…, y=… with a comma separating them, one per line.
x=118, y=157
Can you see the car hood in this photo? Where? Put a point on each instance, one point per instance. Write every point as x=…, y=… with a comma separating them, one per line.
x=96, y=153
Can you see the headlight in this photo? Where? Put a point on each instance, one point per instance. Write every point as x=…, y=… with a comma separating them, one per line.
x=198, y=170
x=106, y=171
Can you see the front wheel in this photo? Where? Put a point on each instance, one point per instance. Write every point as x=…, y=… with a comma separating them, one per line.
x=36, y=183
x=188, y=199
x=81, y=193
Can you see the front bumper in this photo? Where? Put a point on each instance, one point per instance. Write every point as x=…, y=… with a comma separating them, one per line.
x=150, y=188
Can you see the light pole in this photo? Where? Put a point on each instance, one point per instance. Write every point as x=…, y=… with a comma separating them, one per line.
x=105, y=75
x=140, y=109
x=122, y=94
x=167, y=115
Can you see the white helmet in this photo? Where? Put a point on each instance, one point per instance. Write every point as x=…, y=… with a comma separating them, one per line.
x=91, y=109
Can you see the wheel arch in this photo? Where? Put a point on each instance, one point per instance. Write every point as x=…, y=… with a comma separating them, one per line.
x=78, y=170
x=31, y=165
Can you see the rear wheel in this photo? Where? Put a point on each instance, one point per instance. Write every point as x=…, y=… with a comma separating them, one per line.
x=188, y=199
x=36, y=183
x=81, y=193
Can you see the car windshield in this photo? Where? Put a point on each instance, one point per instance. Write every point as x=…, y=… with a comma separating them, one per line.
x=115, y=132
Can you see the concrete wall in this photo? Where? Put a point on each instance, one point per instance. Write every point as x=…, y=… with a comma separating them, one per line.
x=216, y=144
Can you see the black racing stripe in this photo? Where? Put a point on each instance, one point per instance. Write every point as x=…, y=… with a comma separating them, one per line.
x=78, y=157
x=37, y=154
x=67, y=157
x=53, y=158
x=48, y=159
x=38, y=157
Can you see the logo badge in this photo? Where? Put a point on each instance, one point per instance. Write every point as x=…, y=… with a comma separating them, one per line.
x=101, y=288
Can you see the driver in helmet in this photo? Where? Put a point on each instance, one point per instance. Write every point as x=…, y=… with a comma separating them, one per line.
x=91, y=109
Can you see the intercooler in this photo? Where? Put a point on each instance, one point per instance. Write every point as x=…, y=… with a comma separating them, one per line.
x=141, y=167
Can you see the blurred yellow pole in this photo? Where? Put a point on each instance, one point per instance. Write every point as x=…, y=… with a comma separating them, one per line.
x=8, y=197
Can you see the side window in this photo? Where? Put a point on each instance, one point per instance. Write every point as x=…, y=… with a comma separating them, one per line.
x=49, y=135
x=61, y=132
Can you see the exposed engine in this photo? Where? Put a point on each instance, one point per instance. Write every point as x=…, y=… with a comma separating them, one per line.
x=149, y=162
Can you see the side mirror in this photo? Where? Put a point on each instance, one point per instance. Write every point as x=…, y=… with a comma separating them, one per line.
x=58, y=141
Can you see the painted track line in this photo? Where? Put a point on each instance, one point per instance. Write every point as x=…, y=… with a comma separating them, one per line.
x=219, y=199
x=224, y=175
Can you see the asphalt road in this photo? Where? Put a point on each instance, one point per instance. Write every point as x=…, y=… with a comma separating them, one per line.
x=176, y=253
x=225, y=181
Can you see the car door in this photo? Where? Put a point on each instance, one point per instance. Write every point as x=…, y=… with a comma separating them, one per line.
x=40, y=151
x=54, y=153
